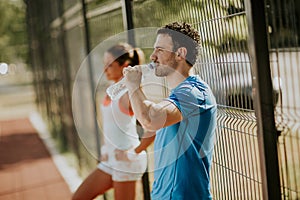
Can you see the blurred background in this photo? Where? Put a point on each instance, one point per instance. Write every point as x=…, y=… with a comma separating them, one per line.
x=16, y=85
x=50, y=55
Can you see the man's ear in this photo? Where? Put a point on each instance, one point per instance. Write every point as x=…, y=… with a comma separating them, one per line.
x=181, y=52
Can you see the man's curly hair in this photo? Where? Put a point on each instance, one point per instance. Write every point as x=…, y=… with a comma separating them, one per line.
x=183, y=35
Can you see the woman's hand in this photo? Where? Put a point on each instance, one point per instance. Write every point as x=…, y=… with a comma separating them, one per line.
x=128, y=155
x=121, y=155
x=104, y=157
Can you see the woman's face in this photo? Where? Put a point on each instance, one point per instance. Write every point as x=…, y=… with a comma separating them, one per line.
x=113, y=70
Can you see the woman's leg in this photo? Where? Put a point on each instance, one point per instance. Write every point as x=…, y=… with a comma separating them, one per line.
x=95, y=184
x=124, y=190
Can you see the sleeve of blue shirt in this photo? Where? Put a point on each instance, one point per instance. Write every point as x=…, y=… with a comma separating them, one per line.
x=189, y=100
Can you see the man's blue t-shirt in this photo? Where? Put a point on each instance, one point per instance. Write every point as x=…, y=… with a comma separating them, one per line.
x=183, y=151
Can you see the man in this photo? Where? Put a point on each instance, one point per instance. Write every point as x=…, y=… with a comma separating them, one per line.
x=185, y=121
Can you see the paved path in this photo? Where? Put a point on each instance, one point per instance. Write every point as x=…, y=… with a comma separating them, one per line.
x=27, y=171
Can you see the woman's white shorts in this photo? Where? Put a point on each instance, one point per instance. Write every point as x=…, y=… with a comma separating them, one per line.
x=124, y=170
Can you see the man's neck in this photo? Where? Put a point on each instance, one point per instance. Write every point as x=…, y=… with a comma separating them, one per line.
x=178, y=76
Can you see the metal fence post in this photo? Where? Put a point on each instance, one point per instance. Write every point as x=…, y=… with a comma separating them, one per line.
x=90, y=67
x=128, y=20
x=262, y=95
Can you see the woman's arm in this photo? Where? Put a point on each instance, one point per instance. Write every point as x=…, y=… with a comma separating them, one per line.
x=146, y=140
x=131, y=154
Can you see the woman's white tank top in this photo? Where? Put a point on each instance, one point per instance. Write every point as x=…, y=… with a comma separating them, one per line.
x=119, y=128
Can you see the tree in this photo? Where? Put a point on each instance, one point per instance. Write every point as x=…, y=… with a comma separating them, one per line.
x=13, y=35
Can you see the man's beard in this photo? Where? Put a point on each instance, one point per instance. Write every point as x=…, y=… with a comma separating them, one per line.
x=164, y=70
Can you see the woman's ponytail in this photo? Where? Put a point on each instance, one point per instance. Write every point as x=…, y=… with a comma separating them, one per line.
x=138, y=57
x=124, y=52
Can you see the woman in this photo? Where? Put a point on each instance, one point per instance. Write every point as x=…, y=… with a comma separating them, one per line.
x=123, y=159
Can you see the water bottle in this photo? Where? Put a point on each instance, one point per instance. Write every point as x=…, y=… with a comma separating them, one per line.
x=118, y=89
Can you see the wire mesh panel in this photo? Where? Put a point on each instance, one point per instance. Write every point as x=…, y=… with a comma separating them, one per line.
x=226, y=66
x=284, y=29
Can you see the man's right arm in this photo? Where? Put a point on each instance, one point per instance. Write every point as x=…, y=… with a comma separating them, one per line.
x=152, y=116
